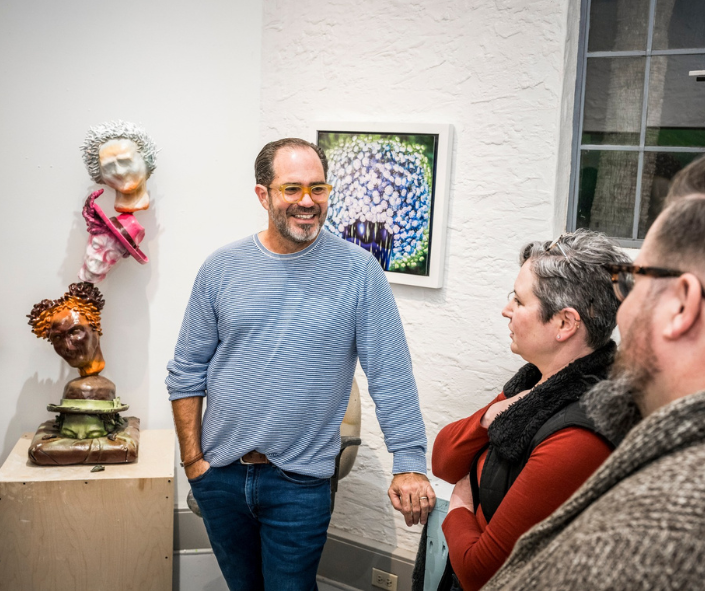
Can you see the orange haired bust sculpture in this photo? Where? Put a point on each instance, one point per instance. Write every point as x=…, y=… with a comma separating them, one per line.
x=72, y=325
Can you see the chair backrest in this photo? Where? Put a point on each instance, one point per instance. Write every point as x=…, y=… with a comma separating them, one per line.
x=350, y=427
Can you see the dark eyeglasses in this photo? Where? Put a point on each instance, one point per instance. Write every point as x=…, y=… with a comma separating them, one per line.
x=623, y=277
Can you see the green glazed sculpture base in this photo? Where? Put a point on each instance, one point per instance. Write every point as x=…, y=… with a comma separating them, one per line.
x=48, y=448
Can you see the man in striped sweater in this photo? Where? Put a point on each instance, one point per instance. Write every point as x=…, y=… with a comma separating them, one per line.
x=271, y=336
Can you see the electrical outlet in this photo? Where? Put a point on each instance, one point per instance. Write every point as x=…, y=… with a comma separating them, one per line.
x=384, y=580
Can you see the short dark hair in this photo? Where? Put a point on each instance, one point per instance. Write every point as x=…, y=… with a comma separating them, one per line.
x=264, y=163
x=688, y=181
x=680, y=235
x=571, y=275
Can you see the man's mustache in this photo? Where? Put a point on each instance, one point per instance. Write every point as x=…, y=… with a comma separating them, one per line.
x=295, y=209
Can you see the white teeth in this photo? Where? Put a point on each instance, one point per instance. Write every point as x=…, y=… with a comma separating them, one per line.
x=304, y=217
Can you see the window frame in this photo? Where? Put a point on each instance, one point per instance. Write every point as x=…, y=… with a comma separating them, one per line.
x=579, y=105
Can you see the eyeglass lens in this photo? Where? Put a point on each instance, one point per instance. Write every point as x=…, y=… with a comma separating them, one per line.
x=294, y=193
x=624, y=284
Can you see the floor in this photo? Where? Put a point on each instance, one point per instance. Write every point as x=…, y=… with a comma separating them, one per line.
x=328, y=585
x=198, y=571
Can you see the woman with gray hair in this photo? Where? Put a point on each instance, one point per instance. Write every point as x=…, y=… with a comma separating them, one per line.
x=516, y=460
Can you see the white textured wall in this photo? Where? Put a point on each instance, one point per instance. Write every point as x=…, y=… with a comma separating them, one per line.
x=499, y=71
x=495, y=70
x=190, y=74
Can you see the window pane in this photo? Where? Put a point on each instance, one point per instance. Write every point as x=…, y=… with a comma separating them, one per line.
x=614, y=90
x=659, y=169
x=679, y=24
x=676, y=115
x=607, y=191
x=618, y=25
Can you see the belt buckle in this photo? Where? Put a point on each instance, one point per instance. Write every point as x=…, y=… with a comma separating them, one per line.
x=255, y=457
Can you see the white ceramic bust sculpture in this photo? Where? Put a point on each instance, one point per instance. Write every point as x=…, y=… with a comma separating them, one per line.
x=121, y=155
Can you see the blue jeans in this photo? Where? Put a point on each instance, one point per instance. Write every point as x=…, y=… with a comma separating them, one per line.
x=267, y=526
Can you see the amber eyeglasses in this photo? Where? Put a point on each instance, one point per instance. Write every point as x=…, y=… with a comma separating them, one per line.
x=294, y=192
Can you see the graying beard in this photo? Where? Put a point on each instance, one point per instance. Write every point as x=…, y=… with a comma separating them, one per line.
x=284, y=230
x=611, y=404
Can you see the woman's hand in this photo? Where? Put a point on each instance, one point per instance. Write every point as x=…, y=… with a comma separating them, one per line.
x=499, y=407
x=462, y=495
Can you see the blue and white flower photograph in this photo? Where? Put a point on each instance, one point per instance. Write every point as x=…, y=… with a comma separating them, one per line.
x=382, y=196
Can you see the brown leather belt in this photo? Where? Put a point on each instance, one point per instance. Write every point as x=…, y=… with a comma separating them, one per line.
x=254, y=457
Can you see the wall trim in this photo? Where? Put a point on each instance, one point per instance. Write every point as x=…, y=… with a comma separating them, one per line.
x=190, y=534
x=349, y=560
x=335, y=584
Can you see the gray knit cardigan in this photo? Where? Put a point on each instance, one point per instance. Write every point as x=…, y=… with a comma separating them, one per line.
x=637, y=523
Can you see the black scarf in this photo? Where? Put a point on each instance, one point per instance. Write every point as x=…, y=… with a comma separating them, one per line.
x=512, y=431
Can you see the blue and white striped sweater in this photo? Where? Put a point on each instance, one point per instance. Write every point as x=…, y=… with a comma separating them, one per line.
x=274, y=340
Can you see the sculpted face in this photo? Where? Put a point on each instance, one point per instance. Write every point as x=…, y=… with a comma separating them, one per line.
x=102, y=252
x=124, y=169
x=75, y=340
x=80, y=426
x=122, y=166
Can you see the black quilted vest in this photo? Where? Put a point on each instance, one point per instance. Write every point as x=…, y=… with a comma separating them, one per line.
x=498, y=473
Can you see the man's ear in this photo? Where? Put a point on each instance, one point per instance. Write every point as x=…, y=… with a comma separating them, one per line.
x=686, y=306
x=262, y=195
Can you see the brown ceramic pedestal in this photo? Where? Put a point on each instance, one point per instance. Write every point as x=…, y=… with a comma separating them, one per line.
x=90, y=388
x=49, y=449
x=87, y=397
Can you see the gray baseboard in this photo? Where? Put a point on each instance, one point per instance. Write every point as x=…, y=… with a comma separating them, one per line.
x=346, y=560
x=350, y=561
x=189, y=531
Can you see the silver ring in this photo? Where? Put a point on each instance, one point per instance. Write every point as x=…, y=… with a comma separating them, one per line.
x=424, y=498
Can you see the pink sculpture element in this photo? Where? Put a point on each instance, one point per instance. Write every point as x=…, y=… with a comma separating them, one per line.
x=110, y=240
x=128, y=231
x=102, y=252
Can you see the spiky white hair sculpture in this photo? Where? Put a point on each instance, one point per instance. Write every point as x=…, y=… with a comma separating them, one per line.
x=111, y=130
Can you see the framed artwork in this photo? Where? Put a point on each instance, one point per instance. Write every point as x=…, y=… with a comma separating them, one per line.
x=390, y=194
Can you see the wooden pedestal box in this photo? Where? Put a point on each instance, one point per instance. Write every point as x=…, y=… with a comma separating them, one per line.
x=67, y=528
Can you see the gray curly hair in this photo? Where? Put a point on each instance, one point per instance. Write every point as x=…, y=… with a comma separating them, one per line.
x=112, y=130
x=569, y=274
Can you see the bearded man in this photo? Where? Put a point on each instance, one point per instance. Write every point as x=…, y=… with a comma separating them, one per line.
x=272, y=334
x=639, y=521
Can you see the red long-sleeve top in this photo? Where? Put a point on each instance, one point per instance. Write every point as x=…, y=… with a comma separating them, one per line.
x=555, y=470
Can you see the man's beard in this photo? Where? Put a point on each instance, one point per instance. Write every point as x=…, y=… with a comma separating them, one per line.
x=615, y=403
x=296, y=234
